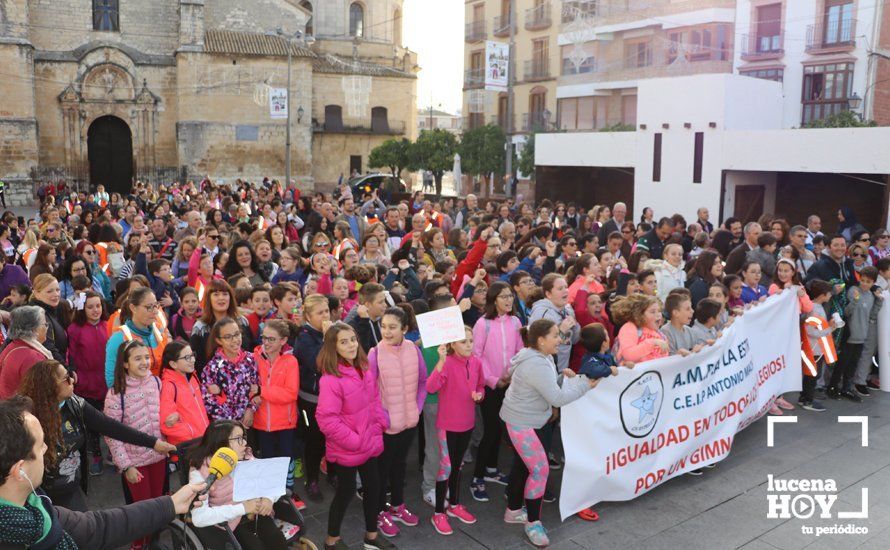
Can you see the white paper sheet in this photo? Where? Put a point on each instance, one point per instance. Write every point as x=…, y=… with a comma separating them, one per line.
x=442, y=326
x=260, y=478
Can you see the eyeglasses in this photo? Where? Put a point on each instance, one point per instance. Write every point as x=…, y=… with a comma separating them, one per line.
x=214, y=237
x=571, y=243
x=864, y=239
x=271, y=339
x=151, y=307
x=505, y=296
x=89, y=252
x=857, y=255
x=884, y=237
x=481, y=290
x=241, y=440
x=230, y=337
x=627, y=231
x=188, y=358
x=68, y=379
x=323, y=243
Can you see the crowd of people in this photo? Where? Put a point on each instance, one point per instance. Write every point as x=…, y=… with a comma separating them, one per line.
x=180, y=319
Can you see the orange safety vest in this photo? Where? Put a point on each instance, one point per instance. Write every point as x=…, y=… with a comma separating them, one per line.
x=806, y=350
x=161, y=336
x=102, y=251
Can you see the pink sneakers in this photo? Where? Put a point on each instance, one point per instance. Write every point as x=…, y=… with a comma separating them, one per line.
x=460, y=512
x=385, y=525
x=441, y=525
x=402, y=515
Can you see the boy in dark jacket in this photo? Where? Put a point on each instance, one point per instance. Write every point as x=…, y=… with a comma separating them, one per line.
x=597, y=362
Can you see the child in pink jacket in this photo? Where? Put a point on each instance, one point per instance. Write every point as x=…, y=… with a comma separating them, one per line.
x=639, y=339
x=352, y=419
x=496, y=340
x=135, y=400
x=459, y=381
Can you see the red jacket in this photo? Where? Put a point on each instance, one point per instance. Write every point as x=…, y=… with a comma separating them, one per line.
x=86, y=355
x=15, y=361
x=468, y=266
x=279, y=384
x=184, y=397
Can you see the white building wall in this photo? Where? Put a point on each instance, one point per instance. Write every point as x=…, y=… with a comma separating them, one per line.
x=748, y=144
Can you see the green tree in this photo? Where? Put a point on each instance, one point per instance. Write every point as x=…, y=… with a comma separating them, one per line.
x=526, y=163
x=434, y=151
x=482, y=150
x=619, y=127
x=843, y=119
x=394, y=154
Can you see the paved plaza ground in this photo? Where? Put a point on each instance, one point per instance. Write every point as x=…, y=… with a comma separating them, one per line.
x=724, y=508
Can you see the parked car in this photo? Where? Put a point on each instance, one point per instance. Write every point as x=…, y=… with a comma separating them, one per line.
x=387, y=183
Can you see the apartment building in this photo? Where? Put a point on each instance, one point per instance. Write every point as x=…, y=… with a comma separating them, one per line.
x=822, y=51
x=430, y=118
x=536, y=68
x=608, y=46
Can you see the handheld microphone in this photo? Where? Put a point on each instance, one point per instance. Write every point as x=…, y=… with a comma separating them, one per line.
x=221, y=464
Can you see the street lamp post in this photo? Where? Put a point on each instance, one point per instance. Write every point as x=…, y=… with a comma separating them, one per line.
x=289, y=39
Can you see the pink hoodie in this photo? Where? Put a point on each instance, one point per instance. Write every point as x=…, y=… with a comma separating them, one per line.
x=351, y=416
x=455, y=383
x=495, y=342
x=141, y=411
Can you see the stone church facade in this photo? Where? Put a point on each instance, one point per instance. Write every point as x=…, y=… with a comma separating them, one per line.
x=111, y=91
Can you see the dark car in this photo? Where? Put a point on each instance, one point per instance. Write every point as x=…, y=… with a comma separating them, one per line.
x=387, y=183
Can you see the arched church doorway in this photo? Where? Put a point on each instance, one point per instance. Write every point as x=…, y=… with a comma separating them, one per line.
x=110, y=147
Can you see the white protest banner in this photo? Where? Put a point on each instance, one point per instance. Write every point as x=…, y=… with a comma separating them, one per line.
x=442, y=326
x=497, y=55
x=278, y=102
x=669, y=416
x=260, y=478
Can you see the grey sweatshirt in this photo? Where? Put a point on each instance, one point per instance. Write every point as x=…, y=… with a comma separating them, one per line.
x=701, y=334
x=545, y=309
x=535, y=388
x=678, y=338
x=862, y=308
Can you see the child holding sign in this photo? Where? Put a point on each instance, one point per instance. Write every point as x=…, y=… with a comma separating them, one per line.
x=459, y=381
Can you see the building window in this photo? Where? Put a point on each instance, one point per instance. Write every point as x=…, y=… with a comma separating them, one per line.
x=704, y=43
x=769, y=28
x=577, y=113
x=638, y=55
x=356, y=20
x=379, y=120
x=826, y=90
x=310, y=28
x=766, y=74
x=333, y=118
x=838, y=22
x=106, y=15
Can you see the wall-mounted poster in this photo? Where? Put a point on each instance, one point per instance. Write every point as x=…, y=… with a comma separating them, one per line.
x=497, y=56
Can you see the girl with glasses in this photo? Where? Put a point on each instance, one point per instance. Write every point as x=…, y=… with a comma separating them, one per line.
x=183, y=415
x=90, y=253
x=250, y=521
x=139, y=314
x=275, y=421
x=230, y=377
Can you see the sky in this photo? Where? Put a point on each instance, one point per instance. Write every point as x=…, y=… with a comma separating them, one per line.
x=436, y=34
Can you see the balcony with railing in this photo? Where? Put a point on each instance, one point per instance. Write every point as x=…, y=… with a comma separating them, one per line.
x=377, y=126
x=474, y=78
x=757, y=47
x=831, y=36
x=538, y=121
x=612, y=11
x=569, y=68
x=503, y=121
x=501, y=26
x=475, y=31
x=536, y=69
x=657, y=64
x=538, y=18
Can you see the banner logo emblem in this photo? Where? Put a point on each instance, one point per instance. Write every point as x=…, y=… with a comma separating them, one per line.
x=640, y=404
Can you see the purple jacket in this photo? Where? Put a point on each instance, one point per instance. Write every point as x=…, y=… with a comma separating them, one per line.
x=10, y=276
x=351, y=416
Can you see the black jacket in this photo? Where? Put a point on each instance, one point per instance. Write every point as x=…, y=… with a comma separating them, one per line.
x=102, y=529
x=85, y=417
x=827, y=269
x=56, y=337
x=308, y=346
